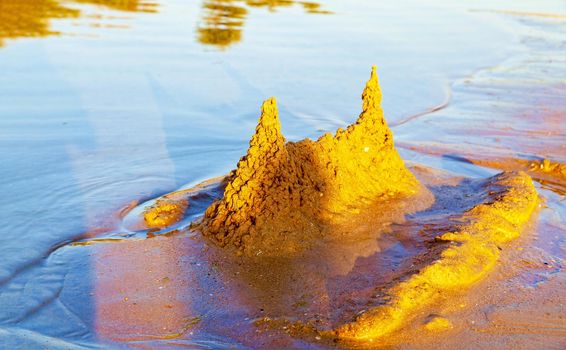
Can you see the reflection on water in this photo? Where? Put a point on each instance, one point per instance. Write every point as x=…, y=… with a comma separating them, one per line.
x=224, y=19
x=125, y=5
x=31, y=18
x=272, y=5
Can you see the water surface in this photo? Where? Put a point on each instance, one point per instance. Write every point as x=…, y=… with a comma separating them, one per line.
x=105, y=102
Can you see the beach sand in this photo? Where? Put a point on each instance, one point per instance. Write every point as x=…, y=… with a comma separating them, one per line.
x=106, y=106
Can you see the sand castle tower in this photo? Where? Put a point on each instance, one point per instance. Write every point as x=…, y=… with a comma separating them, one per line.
x=282, y=192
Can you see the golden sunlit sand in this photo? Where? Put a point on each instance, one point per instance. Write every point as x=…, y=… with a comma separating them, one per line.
x=474, y=251
x=284, y=196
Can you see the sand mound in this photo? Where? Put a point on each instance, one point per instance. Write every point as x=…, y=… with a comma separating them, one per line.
x=282, y=193
x=285, y=195
x=473, y=250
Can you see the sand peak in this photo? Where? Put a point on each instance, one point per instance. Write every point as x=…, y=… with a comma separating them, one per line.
x=285, y=192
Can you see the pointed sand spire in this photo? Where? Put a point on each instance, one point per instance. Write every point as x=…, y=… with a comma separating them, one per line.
x=295, y=188
x=229, y=219
x=371, y=98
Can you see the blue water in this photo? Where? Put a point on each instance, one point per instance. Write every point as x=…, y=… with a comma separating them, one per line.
x=127, y=105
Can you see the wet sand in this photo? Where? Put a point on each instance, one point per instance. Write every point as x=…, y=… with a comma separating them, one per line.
x=77, y=271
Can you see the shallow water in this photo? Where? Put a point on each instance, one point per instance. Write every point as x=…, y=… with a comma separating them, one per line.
x=103, y=103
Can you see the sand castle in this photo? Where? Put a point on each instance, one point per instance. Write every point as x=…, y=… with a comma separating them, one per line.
x=282, y=192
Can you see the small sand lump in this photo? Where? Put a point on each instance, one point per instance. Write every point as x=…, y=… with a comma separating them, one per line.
x=438, y=323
